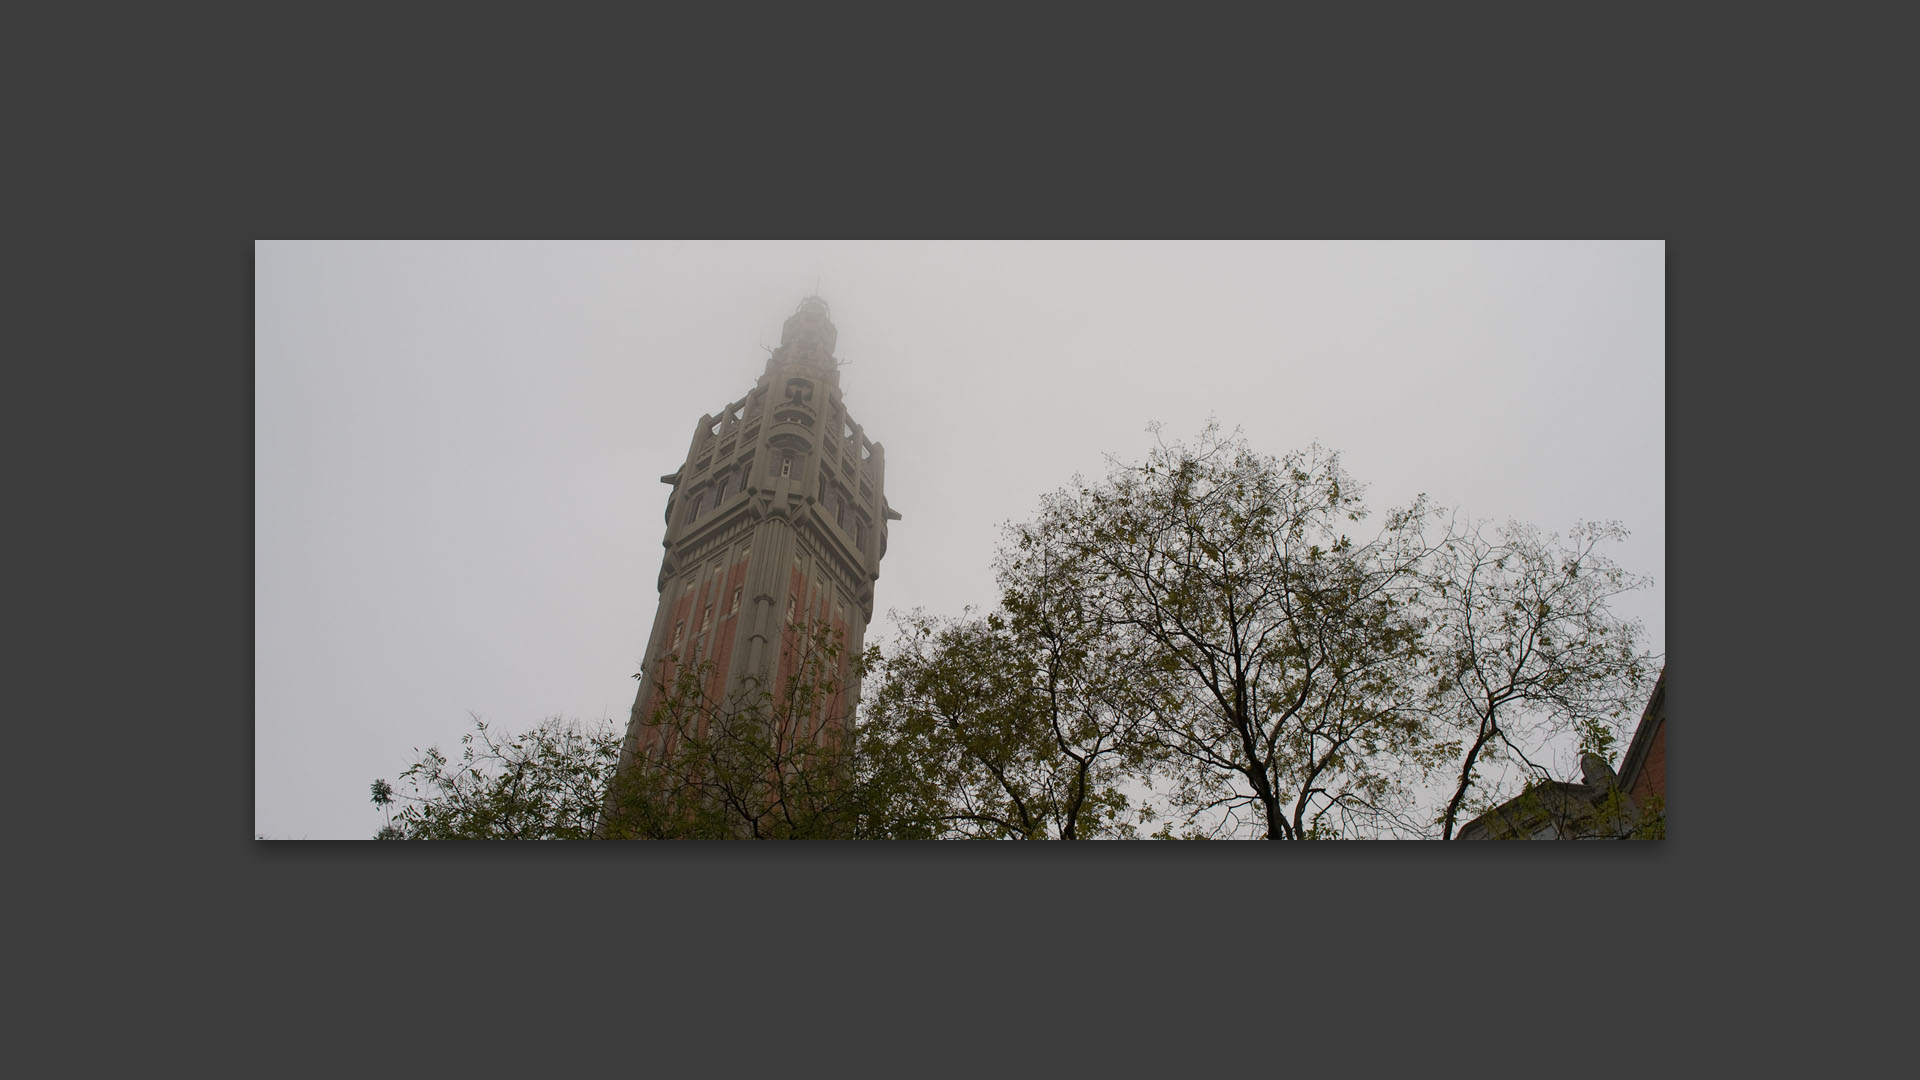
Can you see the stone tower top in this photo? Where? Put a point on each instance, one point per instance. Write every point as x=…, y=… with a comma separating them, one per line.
x=807, y=339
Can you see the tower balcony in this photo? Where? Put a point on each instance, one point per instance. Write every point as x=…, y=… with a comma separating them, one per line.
x=793, y=426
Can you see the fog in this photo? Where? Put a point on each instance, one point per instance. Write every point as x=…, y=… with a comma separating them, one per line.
x=458, y=445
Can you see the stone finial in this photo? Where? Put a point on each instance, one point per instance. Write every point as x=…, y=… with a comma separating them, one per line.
x=1596, y=773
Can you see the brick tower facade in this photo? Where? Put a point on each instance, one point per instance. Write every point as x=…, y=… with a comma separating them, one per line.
x=777, y=521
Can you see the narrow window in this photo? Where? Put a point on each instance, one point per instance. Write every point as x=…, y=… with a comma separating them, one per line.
x=786, y=466
x=734, y=608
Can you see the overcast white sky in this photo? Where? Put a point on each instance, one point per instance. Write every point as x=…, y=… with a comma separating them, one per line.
x=458, y=445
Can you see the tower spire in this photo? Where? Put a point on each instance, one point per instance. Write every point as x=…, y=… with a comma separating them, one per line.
x=807, y=339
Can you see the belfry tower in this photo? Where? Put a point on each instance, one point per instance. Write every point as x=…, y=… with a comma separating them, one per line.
x=777, y=522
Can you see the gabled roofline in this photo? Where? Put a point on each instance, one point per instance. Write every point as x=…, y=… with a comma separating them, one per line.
x=1652, y=718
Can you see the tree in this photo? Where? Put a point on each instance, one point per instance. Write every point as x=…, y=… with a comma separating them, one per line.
x=1525, y=651
x=545, y=784
x=1276, y=654
x=383, y=798
x=757, y=765
x=1004, y=725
